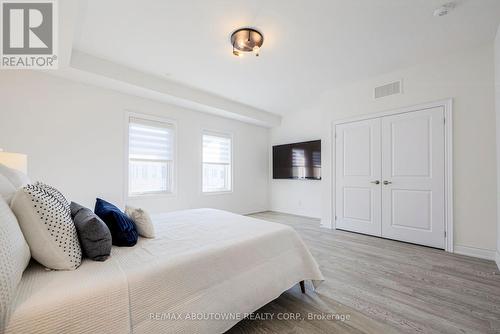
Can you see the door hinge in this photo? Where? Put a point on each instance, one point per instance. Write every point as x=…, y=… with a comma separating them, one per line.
x=444, y=120
x=335, y=135
x=445, y=234
x=335, y=217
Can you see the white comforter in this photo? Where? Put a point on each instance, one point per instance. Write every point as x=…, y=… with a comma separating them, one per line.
x=205, y=264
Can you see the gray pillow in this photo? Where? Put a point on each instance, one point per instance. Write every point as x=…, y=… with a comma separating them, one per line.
x=94, y=234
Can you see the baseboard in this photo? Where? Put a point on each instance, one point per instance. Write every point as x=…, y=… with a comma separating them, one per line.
x=326, y=223
x=293, y=214
x=476, y=252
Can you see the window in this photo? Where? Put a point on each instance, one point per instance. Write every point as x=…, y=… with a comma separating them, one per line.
x=150, y=156
x=216, y=162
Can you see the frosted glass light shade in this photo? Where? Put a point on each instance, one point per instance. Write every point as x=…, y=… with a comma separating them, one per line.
x=15, y=161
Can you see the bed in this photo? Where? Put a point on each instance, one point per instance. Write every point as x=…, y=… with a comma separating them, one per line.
x=205, y=271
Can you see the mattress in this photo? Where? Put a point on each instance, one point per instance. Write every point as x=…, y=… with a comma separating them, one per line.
x=205, y=270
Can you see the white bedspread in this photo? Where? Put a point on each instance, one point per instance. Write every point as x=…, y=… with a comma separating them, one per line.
x=204, y=263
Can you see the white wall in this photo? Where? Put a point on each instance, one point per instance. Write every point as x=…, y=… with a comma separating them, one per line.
x=497, y=103
x=467, y=78
x=74, y=137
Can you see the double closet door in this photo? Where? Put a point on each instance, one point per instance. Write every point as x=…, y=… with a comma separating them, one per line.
x=390, y=177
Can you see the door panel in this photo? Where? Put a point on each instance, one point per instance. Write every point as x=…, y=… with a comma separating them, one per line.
x=357, y=151
x=413, y=167
x=358, y=164
x=357, y=203
x=410, y=141
x=403, y=213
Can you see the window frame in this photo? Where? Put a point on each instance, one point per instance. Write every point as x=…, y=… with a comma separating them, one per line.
x=151, y=118
x=222, y=134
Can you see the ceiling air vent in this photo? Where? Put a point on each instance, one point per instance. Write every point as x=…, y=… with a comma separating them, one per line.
x=389, y=89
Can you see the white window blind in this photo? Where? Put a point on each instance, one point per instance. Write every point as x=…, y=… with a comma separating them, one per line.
x=151, y=156
x=216, y=163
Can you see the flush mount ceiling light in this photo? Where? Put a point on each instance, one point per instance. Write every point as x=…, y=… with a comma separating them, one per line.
x=246, y=40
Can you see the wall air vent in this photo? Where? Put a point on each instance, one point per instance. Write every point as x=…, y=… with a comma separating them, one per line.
x=389, y=89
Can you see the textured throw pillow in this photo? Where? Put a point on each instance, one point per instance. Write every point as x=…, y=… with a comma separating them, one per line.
x=56, y=193
x=142, y=221
x=14, y=257
x=123, y=231
x=17, y=178
x=94, y=235
x=7, y=189
x=47, y=226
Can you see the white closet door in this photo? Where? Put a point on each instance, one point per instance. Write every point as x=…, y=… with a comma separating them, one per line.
x=413, y=177
x=358, y=170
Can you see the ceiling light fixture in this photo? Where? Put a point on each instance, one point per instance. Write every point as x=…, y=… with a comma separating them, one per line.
x=246, y=40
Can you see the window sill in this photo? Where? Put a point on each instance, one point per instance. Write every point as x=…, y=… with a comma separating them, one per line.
x=151, y=196
x=218, y=192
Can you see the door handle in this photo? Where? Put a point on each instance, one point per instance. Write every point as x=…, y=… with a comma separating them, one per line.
x=375, y=182
x=387, y=182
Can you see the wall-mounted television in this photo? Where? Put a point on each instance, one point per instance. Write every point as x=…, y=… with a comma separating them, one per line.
x=297, y=161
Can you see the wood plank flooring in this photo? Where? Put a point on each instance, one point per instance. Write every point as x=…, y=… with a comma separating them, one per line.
x=384, y=286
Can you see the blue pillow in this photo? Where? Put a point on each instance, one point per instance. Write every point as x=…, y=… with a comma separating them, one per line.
x=122, y=228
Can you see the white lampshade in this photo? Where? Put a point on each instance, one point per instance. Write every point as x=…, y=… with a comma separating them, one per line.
x=15, y=161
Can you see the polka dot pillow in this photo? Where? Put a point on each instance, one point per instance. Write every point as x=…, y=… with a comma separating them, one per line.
x=45, y=219
x=56, y=193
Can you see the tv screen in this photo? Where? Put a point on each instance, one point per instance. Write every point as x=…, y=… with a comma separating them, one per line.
x=297, y=161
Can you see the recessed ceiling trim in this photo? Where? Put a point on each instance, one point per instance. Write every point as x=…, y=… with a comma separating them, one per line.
x=130, y=81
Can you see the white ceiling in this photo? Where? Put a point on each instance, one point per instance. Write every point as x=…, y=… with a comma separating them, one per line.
x=310, y=45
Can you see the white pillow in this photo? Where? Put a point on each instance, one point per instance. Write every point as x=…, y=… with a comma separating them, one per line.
x=56, y=193
x=17, y=178
x=48, y=228
x=14, y=257
x=142, y=221
x=7, y=189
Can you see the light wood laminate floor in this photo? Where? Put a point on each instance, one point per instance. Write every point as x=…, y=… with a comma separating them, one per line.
x=384, y=286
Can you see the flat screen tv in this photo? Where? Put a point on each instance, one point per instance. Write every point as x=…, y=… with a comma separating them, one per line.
x=297, y=161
